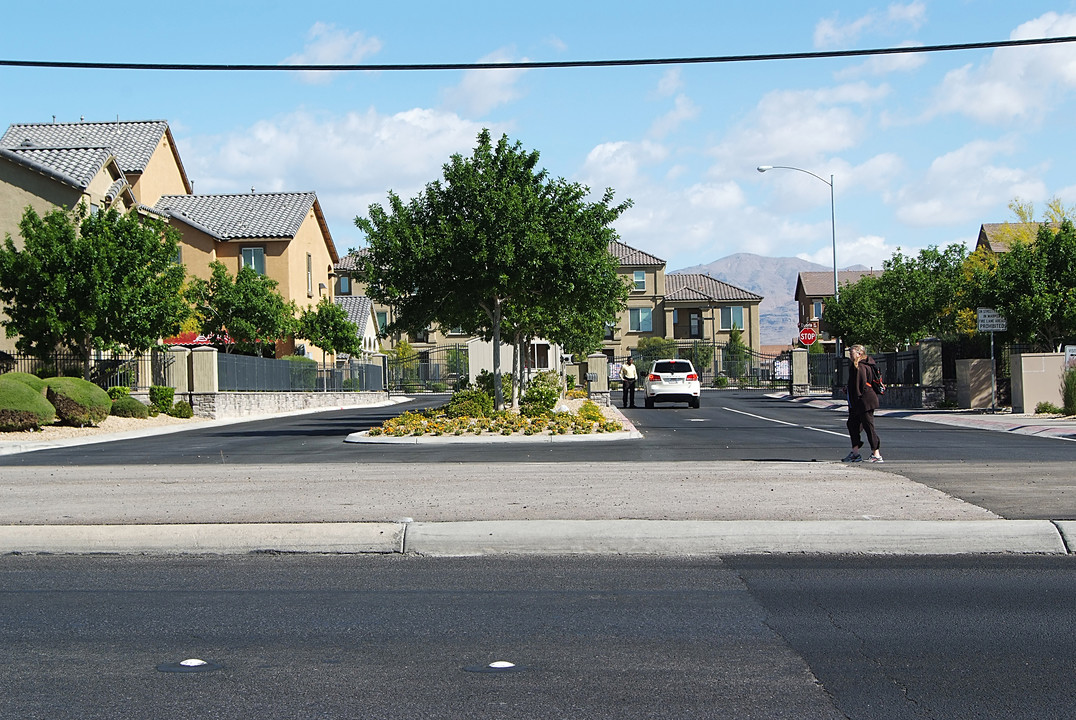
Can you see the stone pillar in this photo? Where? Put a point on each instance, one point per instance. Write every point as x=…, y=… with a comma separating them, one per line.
x=596, y=376
x=177, y=373
x=930, y=363
x=203, y=378
x=798, y=382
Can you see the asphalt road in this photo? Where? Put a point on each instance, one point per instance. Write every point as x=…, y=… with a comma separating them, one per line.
x=398, y=637
x=1015, y=476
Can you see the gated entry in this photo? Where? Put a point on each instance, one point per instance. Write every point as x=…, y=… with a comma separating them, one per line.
x=736, y=366
x=440, y=369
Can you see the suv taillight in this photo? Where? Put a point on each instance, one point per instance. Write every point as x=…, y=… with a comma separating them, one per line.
x=653, y=378
x=692, y=376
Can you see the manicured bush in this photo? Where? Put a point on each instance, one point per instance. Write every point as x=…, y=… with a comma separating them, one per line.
x=485, y=382
x=182, y=409
x=22, y=407
x=539, y=398
x=32, y=380
x=469, y=403
x=118, y=391
x=129, y=407
x=161, y=397
x=78, y=402
x=1047, y=408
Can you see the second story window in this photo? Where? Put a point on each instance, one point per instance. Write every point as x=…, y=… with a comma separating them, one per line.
x=639, y=277
x=309, y=275
x=732, y=317
x=254, y=258
x=816, y=310
x=345, y=284
x=640, y=320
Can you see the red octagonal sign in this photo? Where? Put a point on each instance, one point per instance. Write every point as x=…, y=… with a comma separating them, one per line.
x=808, y=336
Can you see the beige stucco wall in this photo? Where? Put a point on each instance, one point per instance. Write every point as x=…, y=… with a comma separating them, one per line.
x=161, y=177
x=1036, y=377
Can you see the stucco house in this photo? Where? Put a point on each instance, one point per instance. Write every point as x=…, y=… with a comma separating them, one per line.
x=281, y=235
x=813, y=289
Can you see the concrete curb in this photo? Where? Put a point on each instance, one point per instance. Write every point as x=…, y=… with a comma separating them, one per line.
x=224, y=539
x=363, y=437
x=554, y=537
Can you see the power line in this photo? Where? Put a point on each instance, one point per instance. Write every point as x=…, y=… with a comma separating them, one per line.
x=533, y=65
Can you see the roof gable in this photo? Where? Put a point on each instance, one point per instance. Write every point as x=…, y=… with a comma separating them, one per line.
x=233, y=217
x=359, y=309
x=820, y=284
x=76, y=167
x=627, y=255
x=696, y=287
x=133, y=143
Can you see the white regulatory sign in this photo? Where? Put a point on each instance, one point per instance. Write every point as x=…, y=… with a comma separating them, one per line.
x=990, y=321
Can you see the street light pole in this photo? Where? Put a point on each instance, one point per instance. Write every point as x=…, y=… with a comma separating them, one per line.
x=832, y=225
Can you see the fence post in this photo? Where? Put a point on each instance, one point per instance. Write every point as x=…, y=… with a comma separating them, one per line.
x=598, y=368
x=204, y=370
x=177, y=372
x=931, y=382
x=799, y=383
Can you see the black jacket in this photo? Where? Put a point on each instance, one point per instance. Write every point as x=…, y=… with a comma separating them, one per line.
x=861, y=396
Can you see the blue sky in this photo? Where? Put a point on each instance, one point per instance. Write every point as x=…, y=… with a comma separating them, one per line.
x=923, y=148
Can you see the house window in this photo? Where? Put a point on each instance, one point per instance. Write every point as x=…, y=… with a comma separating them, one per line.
x=732, y=317
x=309, y=275
x=817, y=310
x=696, y=324
x=540, y=356
x=382, y=321
x=639, y=276
x=345, y=284
x=254, y=258
x=610, y=331
x=640, y=320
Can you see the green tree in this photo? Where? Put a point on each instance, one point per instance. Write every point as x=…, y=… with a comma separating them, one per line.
x=497, y=249
x=1034, y=287
x=737, y=356
x=858, y=316
x=652, y=348
x=326, y=325
x=85, y=282
x=918, y=296
x=246, y=308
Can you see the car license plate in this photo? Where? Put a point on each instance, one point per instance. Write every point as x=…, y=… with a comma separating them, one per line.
x=674, y=381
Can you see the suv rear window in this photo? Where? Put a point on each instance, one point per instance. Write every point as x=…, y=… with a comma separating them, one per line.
x=672, y=367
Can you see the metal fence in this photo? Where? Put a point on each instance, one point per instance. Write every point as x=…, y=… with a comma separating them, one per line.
x=137, y=371
x=439, y=369
x=735, y=366
x=245, y=373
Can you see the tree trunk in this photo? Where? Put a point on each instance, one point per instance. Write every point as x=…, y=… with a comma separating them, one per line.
x=498, y=393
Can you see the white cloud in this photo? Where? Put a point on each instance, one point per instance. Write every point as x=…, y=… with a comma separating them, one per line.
x=482, y=90
x=792, y=127
x=670, y=82
x=351, y=160
x=867, y=250
x=965, y=184
x=1015, y=84
x=330, y=45
x=833, y=33
x=683, y=110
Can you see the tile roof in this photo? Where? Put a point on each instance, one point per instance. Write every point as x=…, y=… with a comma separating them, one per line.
x=359, y=309
x=695, y=287
x=352, y=261
x=74, y=166
x=133, y=143
x=627, y=255
x=820, y=284
x=998, y=236
x=231, y=217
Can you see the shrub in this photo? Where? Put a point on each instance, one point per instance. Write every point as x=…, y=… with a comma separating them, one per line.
x=304, y=372
x=32, y=380
x=484, y=381
x=161, y=397
x=590, y=411
x=181, y=409
x=1046, y=408
x=539, y=398
x=469, y=403
x=78, y=402
x=118, y=391
x=1068, y=391
x=129, y=407
x=22, y=407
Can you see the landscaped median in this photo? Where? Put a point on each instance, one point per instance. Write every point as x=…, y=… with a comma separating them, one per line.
x=573, y=420
x=544, y=415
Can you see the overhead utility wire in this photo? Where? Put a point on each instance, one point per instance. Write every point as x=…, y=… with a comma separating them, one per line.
x=531, y=65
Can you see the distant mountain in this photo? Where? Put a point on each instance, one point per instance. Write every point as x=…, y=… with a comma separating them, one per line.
x=772, y=278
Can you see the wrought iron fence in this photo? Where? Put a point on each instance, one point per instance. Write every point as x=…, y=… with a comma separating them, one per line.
x=718, y=365
x=441, y=369
x=137, y=371
x=245, y=373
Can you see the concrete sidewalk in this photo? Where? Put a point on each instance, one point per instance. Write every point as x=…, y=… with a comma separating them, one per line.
x=690, y=508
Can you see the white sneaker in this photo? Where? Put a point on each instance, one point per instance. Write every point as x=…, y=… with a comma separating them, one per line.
x=875, y=459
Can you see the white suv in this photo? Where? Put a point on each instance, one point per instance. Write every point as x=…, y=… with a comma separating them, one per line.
x=671, y=381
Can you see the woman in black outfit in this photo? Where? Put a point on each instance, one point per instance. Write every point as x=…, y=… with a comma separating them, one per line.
x=862, y=402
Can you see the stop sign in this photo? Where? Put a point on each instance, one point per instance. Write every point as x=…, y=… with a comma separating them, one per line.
x=808, y=336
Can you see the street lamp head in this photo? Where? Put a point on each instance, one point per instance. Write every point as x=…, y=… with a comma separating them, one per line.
x=764, y=168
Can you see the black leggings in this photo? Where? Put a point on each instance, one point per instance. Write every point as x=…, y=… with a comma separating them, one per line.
x=858, y=422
